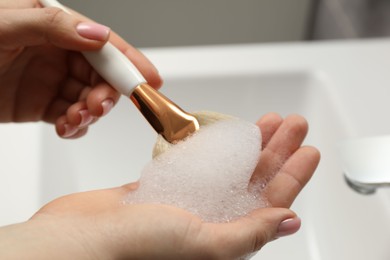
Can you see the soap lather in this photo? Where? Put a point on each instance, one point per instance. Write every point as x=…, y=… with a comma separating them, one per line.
x=166, y=117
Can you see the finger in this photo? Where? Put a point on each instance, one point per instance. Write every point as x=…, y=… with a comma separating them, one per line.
x=268, y=124
x=17, y=4
x=79, y=116
x=56, y=109
x=93, y=103
x=72, y=90
x=79, y=68
x=147, y=69
x=292, y=177
x=143, y=64
x=289, y=136
x=68, y=131
x=250, y=233
x=76, y=118
x=37, y=26
x=63, y=129
x=129, y=187
x=286, y=140
x=101, y=99
x=84, y=93
x=79, y=133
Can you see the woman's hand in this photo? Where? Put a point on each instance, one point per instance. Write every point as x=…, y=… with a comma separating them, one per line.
x=44, y=77
x=97, y=224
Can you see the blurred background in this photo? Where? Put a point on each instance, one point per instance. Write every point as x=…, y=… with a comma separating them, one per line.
x=163, y=23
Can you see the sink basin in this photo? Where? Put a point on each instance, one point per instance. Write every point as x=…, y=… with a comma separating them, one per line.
x=328, y=83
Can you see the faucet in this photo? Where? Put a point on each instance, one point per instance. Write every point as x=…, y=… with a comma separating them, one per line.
x=366, y=163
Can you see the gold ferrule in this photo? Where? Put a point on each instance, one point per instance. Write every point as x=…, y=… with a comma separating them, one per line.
x=166, y=117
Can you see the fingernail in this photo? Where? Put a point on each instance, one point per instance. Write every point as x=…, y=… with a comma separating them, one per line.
x=86, y=118
x=288, y=227
x=93, y=31
x=107, y=105
x=69, y=130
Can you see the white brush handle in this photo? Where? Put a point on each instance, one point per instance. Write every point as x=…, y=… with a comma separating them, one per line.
x=109, y=62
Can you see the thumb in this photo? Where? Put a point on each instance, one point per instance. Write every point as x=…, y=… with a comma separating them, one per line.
x=37, y=26
x=250, y=233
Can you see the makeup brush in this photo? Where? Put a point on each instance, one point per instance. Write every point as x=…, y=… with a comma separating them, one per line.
x=165, y=117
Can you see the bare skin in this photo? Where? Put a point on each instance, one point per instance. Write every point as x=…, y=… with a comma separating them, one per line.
x=97, y=225
x=44, y=78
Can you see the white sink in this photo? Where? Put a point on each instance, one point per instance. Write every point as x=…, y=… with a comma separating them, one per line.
x=341, y=88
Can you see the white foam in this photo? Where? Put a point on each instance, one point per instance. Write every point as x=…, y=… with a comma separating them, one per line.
x=207, y=174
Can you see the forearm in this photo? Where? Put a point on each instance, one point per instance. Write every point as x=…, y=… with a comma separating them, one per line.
x=40, y=240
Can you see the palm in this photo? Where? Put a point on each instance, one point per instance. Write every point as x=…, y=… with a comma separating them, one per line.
x=290, y=166
x=147, y=223
x=150, y=222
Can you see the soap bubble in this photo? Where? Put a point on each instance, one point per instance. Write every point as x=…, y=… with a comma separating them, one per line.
x=207, y=174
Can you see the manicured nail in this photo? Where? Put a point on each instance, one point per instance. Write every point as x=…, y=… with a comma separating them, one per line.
x=69, y=131
x=107, y=105
x=93, y=31
x=288, y=227
x=86, y=118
